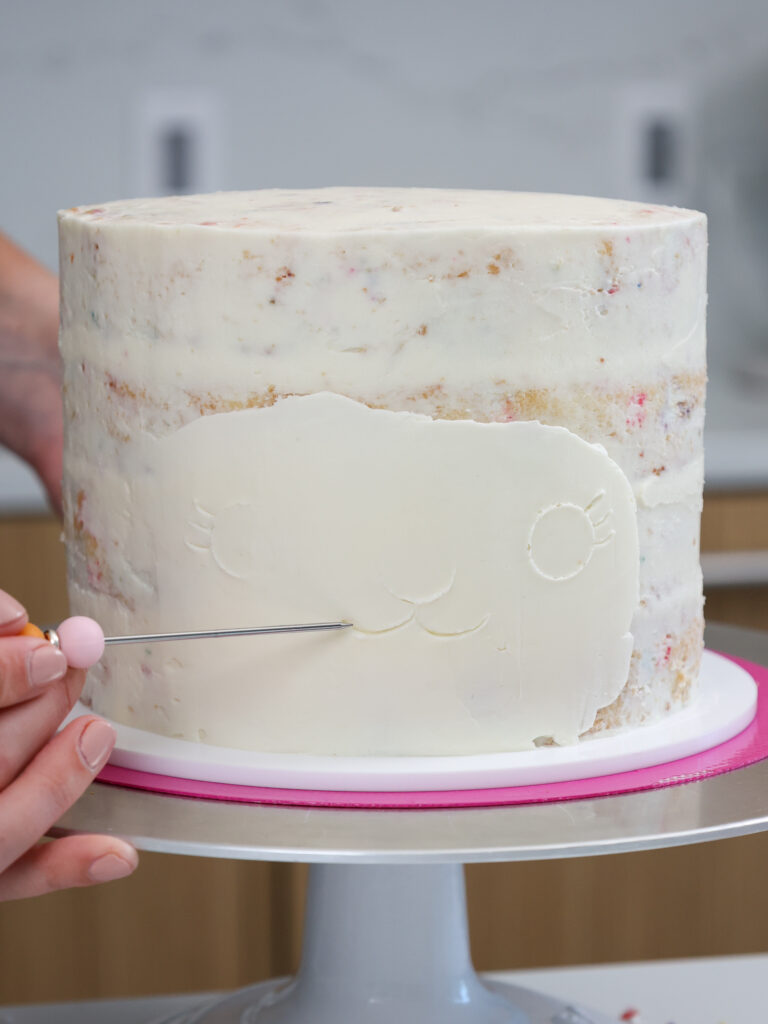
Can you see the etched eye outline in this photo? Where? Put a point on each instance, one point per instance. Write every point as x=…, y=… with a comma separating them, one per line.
x=593, y=520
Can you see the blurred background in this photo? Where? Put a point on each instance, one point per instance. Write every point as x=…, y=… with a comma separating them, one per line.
x=665, y=101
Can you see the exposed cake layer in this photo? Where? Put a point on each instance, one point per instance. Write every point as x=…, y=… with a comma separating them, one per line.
x=484, y=306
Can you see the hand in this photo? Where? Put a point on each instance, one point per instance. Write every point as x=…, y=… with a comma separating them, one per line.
x=30, y=395
x=43, y=773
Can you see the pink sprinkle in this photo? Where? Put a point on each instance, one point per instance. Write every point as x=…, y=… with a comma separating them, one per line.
x=636, y=414
x=613, y=290
x=509, y=411
x=666, y=657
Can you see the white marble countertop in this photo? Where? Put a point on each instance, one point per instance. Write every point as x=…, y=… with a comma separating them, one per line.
x=736, y=434
x=722, y=990
x=21, y=493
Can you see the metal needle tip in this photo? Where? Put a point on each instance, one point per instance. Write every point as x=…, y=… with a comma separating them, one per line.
x=207, y=634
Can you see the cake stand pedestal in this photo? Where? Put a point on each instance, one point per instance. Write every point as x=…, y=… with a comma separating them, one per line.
x=386, y=932
x=385, y=944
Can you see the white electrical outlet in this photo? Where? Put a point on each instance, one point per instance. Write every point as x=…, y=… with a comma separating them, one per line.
x=653, y=143
x=176, y=143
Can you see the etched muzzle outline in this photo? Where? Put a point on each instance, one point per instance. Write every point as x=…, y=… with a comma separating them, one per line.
x=417, y=603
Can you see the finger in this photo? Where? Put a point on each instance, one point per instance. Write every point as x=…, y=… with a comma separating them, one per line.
x=26, y=666
x=13, y=616
x=27, y=727
x=51, y=783
x=67, y=863
x=49, y=463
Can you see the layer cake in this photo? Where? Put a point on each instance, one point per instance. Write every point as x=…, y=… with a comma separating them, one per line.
x=470, y=423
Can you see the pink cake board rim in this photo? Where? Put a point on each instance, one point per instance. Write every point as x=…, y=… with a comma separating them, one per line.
x=748, y=747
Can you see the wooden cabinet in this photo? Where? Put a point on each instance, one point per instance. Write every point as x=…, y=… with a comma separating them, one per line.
x=184, y=924
x=736, y=522
x=178, y=924
x=689, y=901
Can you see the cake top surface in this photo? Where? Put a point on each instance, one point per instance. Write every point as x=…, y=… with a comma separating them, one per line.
x=334, y=210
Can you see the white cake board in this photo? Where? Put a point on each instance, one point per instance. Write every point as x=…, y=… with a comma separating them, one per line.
x=725, y=704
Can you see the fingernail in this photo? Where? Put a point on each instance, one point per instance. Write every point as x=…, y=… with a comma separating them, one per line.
x=109, y=867
x=10, y=609
x=96, y=742
x=44, y=664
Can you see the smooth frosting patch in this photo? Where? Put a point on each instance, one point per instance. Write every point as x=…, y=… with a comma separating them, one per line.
x=492, y=567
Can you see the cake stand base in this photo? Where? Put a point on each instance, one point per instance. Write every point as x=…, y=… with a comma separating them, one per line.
x=386, y=945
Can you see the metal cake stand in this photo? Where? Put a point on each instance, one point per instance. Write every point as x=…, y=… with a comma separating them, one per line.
x=385, y=938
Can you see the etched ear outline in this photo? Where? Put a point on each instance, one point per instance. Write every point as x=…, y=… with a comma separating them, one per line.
x=564, y=536
x=199, y=533
x=225, y=536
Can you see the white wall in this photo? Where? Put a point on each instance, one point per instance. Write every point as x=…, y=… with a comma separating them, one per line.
x=525, y=95
x=533, y=94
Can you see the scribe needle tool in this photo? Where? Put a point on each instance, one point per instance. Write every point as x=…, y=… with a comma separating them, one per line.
x=82, y=639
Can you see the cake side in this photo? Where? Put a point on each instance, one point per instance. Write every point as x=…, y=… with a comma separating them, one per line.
x=596, y=325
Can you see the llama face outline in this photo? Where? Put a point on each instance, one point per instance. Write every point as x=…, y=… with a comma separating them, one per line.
x=501, y=559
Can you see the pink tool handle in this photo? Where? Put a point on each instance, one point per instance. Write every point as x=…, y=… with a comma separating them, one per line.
x=82, y=641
